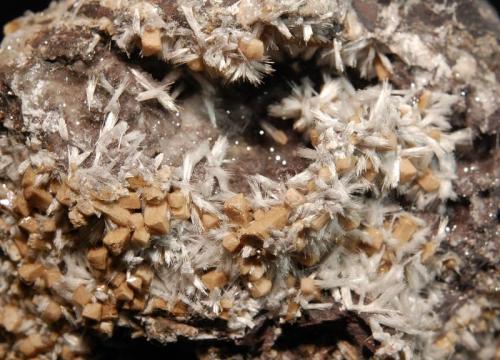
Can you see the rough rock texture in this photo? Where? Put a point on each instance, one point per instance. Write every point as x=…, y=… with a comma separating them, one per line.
x=162, y=178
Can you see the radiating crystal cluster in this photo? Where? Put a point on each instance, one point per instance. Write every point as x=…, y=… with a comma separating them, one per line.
x=135, y=194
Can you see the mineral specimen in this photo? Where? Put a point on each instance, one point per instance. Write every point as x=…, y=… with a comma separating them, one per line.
x=241, y=171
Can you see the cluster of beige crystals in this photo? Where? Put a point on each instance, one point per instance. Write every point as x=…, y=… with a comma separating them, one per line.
x=82, y=256
x=146, y=211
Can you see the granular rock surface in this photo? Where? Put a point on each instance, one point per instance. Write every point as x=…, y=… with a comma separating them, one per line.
x=259, y=178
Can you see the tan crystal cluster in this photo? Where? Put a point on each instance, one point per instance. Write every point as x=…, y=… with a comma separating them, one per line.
x=147, y=211
x=141, y=188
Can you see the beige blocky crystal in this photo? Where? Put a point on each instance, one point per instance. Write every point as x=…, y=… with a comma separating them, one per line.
x=276, y=218
x=261, y=287
x=325, y=174
x=30, y=272
x=294, y=198
x=124, y=293
x=151, y=41
x=380, y=70
x=237, y=208
x=253, y=49
x=153, y=195
x=179, y=205
x=116, y=240
x=32, y=345
x=407, y=171
x=209, y=221
x=429, y=182
x=92, y=311
x=231, y=242
x=29, y=224
x=145, y=273
x=307, y=286
x=52, y=312
x=11, y=318
x=131, y=201
x=52, y=276
x=38, y=198
x=196, y=65
x=98, y=257
x=141, y=237
x=116, y=213
x=135, y=282
x=376, y=237
x=155, y=218
x=320, y=221
x=404, y=228
x=344, y=164
x=82, y=296
x=348, y=223
x=20, y=205
x=214, y=279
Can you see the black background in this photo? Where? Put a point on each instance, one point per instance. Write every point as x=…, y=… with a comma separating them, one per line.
x=10, y=9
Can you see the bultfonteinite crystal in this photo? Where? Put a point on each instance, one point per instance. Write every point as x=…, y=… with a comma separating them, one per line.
x=300, y=178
